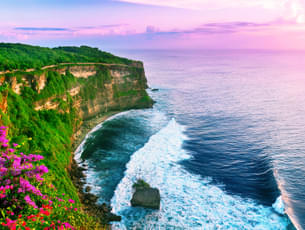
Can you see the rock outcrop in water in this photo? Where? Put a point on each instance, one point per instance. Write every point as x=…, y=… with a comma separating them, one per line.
x=145, y=196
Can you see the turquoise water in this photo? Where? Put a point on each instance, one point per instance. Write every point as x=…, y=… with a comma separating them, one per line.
x=224, y=143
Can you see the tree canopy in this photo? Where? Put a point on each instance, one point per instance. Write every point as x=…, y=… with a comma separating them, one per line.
x=20, y=56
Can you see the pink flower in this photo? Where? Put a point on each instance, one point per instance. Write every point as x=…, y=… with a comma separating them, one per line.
x=67, y=225
x=3, y=171
x=29, y=201
x=10, y=223
x=26, y=186
x=71, y=201
x=41, y=169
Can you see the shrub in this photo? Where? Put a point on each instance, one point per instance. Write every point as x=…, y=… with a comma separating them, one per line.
x=140, y=184
x=27, y=199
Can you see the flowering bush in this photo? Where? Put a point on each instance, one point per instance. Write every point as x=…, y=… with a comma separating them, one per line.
x=27, y=200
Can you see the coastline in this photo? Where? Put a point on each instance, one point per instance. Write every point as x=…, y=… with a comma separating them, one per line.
x=78, y=177
x=87, y=125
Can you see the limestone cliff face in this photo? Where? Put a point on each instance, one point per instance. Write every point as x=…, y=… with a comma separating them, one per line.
x=3, y=104
x=97, y=88
x=125, y=89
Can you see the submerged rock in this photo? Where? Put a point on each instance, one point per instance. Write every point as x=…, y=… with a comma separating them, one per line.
x=145, y=196
x=87, y=189
x=112, y=217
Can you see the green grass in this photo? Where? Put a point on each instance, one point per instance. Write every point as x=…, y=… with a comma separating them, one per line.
x=140, y=184
x=45, y=132
x=49, y=132
x=21, y=56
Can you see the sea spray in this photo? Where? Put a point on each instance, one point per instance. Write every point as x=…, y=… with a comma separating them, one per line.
x=107, y=148
x=187, y=201
x=279, y=206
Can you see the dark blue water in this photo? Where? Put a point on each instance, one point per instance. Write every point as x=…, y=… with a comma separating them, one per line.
x=224, y=141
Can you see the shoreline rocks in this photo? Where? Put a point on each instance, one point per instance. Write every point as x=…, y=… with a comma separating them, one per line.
x=103, y=211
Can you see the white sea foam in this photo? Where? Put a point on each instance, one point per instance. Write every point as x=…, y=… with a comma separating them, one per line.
x=187, y=201
x=279, y=206
x=283, y=202
x=156, y=118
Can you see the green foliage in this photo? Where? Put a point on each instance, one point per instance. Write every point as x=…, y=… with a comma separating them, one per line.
x=146, y=100
x=22, y=57
x=48, y=132
x=4, y=87
x=135, y=73
x=44, y=132
x=92, y=85
x=126, y=93
x=4, y=118
x=140, y=184
x=94, y=54
x=31, y=201
x=57, y=84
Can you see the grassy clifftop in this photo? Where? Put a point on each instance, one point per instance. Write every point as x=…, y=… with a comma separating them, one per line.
x=44, y=108
x=22, y=57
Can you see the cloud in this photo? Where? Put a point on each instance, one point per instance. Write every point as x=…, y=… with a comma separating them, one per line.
x=235, y=25
x=189, y=4
x=24, y=33
x=103, y=26
x=152, y=29
x=295, y=10
x=287, y=9
x=207, y=4
x=41, y=29
x=213, y=28
x=103, y=30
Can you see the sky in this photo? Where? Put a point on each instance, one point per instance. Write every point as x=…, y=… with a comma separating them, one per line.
x=156, y=24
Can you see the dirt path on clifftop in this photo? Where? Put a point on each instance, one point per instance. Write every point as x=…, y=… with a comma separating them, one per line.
x=52, y=66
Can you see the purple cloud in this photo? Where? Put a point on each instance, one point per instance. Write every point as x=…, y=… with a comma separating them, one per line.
x=236, y=24
x=214, y=28
x=152, y=29
x=102, y=26
x=41, y=29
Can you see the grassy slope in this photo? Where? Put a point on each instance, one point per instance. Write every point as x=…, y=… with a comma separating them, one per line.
x=48, y=132
x=20, y=56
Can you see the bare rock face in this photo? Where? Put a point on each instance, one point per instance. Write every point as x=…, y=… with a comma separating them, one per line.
x=145, y=196
x=83, y=71
x=3, y=104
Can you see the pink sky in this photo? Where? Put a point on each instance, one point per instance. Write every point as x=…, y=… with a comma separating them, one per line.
x=206, y=24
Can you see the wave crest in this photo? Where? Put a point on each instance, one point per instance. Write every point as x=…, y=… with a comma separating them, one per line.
x=188, y=201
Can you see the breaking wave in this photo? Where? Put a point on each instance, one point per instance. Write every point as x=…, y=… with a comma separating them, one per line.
x=188, y=201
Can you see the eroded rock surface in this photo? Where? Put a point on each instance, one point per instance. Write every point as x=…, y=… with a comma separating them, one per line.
x=145, y=196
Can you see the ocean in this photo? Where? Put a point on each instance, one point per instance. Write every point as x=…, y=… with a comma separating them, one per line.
x=224, y=143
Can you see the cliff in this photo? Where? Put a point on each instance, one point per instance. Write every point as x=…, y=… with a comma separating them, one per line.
x=3, y=105
x=96, y=88
x=45, y=108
